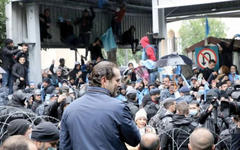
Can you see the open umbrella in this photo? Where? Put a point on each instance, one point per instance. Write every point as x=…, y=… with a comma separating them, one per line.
x=2, y=70
x=173, y=60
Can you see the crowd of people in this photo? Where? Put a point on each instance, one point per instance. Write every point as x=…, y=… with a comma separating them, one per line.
x=96, y=105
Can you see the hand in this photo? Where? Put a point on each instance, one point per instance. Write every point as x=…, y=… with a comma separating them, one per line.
x=21, y=79
x=210, y=108
x=61, y=98
x=215, y=73
x=225, y=78
x=204, y=81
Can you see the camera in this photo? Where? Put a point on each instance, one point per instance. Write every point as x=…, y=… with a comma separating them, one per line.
x=233, y=108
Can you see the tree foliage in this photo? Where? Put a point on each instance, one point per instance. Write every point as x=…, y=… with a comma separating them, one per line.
x=2, y=21
x=193, y=31
x=121, y=56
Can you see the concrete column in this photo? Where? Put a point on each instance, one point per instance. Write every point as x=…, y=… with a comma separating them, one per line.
x=33, y=36
x=8, y=12
x=159, y=26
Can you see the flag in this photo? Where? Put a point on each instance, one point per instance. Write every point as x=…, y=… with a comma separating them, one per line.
x=108, y=40
x=207, y=28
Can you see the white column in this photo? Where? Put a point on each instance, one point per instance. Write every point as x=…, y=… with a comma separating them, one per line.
x=8, y=12
x=33, y=36
x=159, y=26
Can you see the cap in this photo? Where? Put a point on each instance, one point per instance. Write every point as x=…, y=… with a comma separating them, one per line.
x=53, y=95
x=131, y=91
x=140, y=114
x=235, y=95
x=184, y=89
x=31, y=83
x=193, y=78
x=194, y=67
x=45, y=132
x=18, y=127
x=47, y=80
x=37, y=92
x=154, y=91
x=212, y=94
x=65, y=89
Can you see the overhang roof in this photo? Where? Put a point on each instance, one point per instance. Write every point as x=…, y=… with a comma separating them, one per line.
x=214, y=40
x=220, y=9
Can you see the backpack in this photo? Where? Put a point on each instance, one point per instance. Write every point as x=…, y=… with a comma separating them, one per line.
x=181, y=136
x=144, y=53
x=161, y=126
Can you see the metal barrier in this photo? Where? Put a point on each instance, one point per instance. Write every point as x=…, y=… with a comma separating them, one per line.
x=31, y=117
x=169, y=133
x=221, y=144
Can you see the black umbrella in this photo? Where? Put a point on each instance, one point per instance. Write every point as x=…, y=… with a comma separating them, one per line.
x=173, y=60
x=2, y=70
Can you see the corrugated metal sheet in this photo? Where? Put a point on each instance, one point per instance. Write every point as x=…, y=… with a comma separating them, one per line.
x=102, y=22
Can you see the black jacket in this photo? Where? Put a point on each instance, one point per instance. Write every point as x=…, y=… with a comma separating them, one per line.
x=36, y=104
x=52, y=110
x=20, y=70
x=15, y=109
x=206, y=73
x=85, y=23
x=72, y=74
x=7, y=57
x=180, y=123
x=95, y=51
x=235, y=143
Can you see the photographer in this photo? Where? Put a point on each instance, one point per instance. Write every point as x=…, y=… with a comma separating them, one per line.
x=216, y=115
x=130, y=73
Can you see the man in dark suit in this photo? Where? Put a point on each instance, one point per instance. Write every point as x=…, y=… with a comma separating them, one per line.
x=97, y=121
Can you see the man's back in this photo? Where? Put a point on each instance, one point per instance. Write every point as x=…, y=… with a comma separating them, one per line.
x=97, y=121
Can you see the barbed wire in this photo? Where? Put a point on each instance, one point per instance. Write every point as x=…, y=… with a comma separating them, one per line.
x=32, y=117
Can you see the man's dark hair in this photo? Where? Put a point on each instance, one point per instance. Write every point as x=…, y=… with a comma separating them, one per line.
x=17, y=142
x=132, y=96
x=21, y=56
x=167, y=76
x=61, y=60
x=104, y=68
x=212, y=61
x=130, y=64
x=98, y=39
x=8, y=41
x=168, y=103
